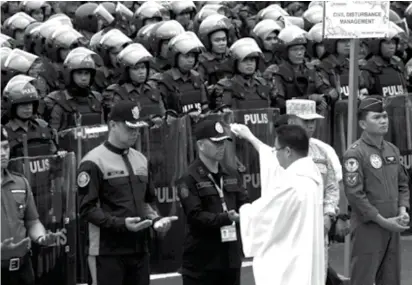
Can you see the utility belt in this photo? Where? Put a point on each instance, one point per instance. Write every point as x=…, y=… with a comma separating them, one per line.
x=15, y=263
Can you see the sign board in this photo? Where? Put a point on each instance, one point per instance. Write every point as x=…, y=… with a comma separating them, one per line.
x=356, y=19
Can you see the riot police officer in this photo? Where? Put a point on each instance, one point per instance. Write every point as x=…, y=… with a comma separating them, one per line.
x=6, y=41
x=215, y=63
x=22, y=101
x=148, y=13
x=246, y=89
x=77, y=104
x=266, y=35
x=85, y=21
x=183, y=12
x=159, y=40
x=181, y=87
x=293, y=78
x=384, y=74
x=211, y=195
x=21, y=62
x=15, y=26
x=110, y=45
x=134, y=62
x=39, y=10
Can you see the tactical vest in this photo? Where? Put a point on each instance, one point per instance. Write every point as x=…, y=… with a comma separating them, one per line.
x=38, y=141
x=254, y=98
x=389, y=80
x=89, y=108
x=183, y=98
x=149, y=104
x=338, y=76
x=217, y=69
x=297, y=85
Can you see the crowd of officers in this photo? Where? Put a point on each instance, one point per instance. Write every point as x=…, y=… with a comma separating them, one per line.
x=65, y=64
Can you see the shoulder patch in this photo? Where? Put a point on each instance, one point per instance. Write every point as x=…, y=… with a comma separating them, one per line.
x=351, y=179
x=184, y=191
x=83, y=179
x=351, y=164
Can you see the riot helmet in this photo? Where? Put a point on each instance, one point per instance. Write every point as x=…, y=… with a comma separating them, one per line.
x=6, y=41
x=111, y=44
x=246, y=54
x=293, y=43
x=266, y=34
x=135, y=62
x=162, y=34
x=183, y=12
x=184, y=43
x=211, y=25
x=39, y=10
x=148, y=13
x=79, y=59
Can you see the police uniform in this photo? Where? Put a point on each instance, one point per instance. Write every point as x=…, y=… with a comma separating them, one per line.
x=213, y=67
x=127, y=89
x=209, y=257
x=384, y=76
x=75, y=105
x=39, y=135
x=243, y=91
x=17, y=208
x=375, y=183
x=114, y=184
x=181, y=92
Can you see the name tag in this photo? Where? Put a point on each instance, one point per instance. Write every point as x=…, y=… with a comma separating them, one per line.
x=228, y=233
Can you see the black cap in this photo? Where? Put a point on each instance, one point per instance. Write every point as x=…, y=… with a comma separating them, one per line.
x=128, y=112
x=372, y=104
x=282, y=120
x=4, y=135
x=210, y=129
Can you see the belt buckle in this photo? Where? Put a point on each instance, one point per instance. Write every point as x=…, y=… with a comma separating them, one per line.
x=14, y=264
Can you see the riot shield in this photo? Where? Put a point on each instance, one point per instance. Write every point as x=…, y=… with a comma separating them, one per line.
x=399, y=109
x=169, y=157
x=52, y=180
x=260, y=122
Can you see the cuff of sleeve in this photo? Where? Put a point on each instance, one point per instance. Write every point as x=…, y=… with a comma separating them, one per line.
x=155, y=220
x=329, y=210
x=370, y=215
x=120, y=223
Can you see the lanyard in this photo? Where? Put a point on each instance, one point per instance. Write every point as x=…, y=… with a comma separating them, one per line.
x=219, y=190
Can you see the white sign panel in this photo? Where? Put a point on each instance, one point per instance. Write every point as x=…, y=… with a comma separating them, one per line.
x=356, y=19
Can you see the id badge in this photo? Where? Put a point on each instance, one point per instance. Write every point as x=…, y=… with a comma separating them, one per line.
x=228, y=233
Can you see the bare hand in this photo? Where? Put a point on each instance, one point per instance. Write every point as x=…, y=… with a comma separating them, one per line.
x=21, y=246
x=164, y=224
x=241, y=131
x=135, y=224
x=342, y=228
x=327, y=222
x=48, y=239
x=61, y=153
x=233, y=216
x=316, y=97
x=404, y=219
x=393, y=225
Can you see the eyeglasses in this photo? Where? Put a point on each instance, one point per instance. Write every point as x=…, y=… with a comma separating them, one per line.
x=280, y=148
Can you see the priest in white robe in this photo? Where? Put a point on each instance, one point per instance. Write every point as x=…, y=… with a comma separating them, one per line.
x=283, y=230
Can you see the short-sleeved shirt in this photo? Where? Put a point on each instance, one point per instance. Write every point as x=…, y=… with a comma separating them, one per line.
x=17, y=208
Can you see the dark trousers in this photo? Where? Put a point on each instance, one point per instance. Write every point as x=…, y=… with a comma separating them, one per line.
x=215, y=277
x=123, y=269
x=23, y=276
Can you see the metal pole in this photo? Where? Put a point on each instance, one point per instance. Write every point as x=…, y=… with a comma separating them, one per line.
x=352, y=123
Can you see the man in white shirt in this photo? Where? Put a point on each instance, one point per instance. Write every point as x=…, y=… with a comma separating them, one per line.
x=284, y=229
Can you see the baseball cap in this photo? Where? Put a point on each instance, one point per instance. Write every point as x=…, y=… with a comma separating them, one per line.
x=372, y=104
x=211, y=129
x=302, y=108
x=128, y=112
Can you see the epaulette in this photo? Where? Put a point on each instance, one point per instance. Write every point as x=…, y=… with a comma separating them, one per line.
x=41, y=122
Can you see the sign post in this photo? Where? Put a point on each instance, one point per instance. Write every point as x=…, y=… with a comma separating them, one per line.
x=354, y=20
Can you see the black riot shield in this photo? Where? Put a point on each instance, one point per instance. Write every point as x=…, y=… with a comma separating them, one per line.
x=52, y=180
x=169, y=157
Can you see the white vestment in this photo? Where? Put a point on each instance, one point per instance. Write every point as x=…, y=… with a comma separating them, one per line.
x=283, y=230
